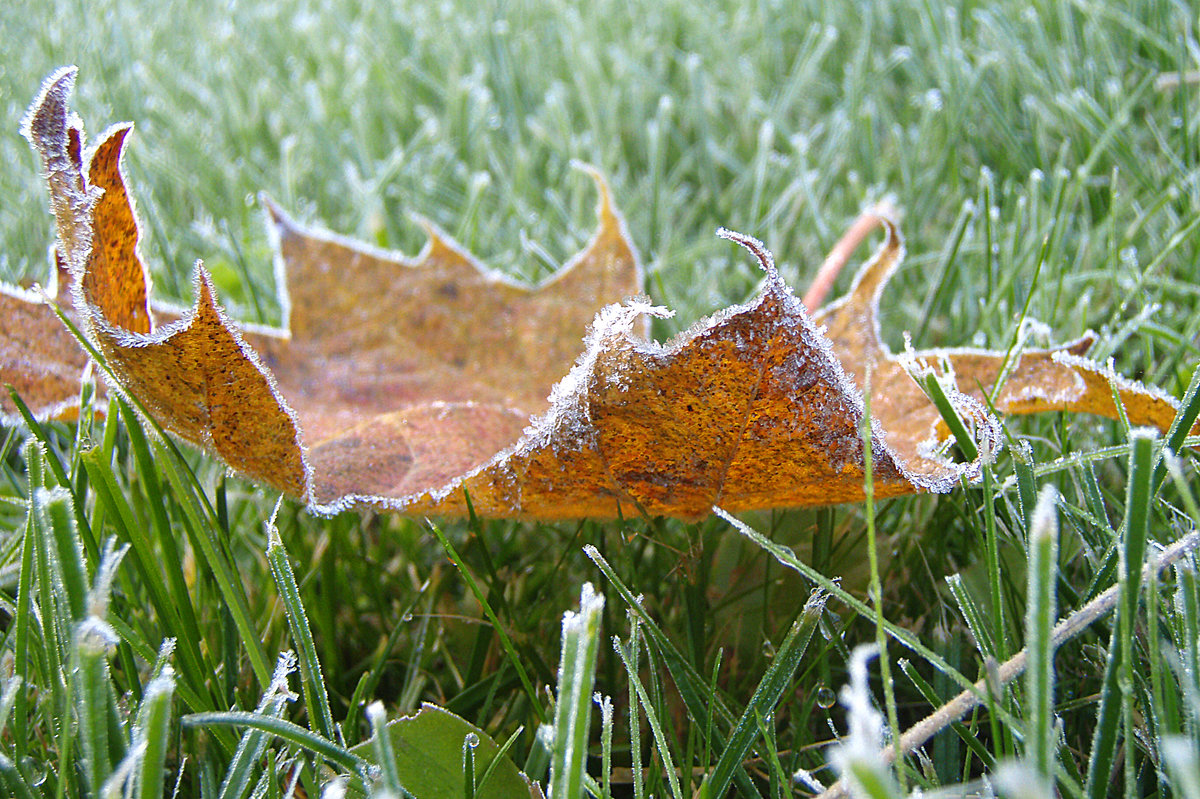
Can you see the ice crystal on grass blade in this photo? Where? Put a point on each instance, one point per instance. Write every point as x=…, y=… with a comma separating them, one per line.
x=858, y=755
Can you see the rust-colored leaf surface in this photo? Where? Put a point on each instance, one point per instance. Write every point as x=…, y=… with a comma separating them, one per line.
x=413, y=384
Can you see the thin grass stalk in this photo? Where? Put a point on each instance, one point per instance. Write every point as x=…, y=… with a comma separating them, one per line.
x=656, y=730
x=635, y=724
x=968, y=738
x=573, y=710
x=767, y=695
x=153, y=729
x=1022, y=456
x=501, y=755
x=713, y=684
x=1116, y=693
x=505, y=641
x=1159, y=721
x=273, y=726
x=1041, y=613
x=606, y=731
x=370, y=680
x=173, y=614
x=971, y=615
x=995, y=579
x=789, y=559
x=470, y=744
x=701, y=703
x=164, y=534
x=253, y=742
x=312, y=681
x=537, y=762
x=21, y=621
x=94, y=641
x=1070, y=627
x=59, y=513
x=866, y=433
x=55, y=626
x=385, y=755
x=199, y=522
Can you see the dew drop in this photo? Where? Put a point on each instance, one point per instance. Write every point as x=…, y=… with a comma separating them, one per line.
x=825, y=697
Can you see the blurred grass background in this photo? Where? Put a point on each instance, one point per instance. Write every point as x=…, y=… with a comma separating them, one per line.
x=1002, y=130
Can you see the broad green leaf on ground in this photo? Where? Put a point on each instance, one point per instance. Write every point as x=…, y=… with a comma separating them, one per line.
x=428, y=747
x=411, y=384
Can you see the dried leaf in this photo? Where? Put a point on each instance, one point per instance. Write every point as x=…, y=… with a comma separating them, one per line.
x=410, y=384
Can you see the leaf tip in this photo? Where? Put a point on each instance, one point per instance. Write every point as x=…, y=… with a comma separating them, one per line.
x=604, y=206
x=46, y=120
x=757, y=248
x=276, y=216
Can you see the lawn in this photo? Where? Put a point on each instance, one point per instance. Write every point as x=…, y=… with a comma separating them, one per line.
x=1045, y=162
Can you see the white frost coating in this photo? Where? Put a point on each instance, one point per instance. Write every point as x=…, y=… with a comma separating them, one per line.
x=376, y=714
x=279, y=691
x=1045, y=515
x=862, y=745
x=95, y=636
x=106, y=572
x=1110, y=374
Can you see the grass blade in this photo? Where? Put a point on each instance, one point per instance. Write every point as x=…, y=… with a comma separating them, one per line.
x=312, y=681
x=385, y=756
x=767, y=695
x=152, y=730
x=1116, y=692
x=286, y=730
x=505, y=641
x=573, y=711
x=1041, y=612
x=652, y=720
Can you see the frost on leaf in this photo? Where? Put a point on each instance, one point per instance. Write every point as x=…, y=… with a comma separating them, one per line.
x=413, y=383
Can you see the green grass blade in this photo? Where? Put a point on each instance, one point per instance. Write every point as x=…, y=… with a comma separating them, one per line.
x=13, y=779
x=94, y=642
x=1116, y=692
x=174, y=609
x=505, y=640
x=152, y=729
x=316, y=699
x=285, y=730
x=656, y=728
x=381, y=745
x=767, y=695
x=573, y=710
x=203, y=528
x=239, y=775
x=691, y=686
x=1041, y=614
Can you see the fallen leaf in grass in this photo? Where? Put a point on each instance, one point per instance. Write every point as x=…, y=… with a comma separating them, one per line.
x=410, y=384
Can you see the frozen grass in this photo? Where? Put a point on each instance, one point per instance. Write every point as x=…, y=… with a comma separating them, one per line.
x=1038, y=165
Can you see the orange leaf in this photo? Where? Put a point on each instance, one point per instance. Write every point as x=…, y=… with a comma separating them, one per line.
x=409, y=384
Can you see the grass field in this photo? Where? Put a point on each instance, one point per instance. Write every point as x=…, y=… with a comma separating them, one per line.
x=1043, y=156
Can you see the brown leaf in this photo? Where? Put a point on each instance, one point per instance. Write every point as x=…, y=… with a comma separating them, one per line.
x=410, y=384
